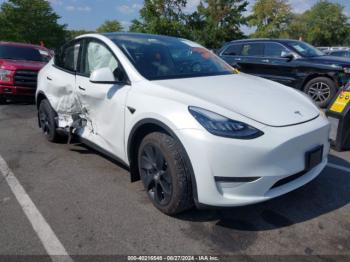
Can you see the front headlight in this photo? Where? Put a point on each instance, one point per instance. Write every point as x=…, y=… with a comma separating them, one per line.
x=222, y=126
x=5, y=75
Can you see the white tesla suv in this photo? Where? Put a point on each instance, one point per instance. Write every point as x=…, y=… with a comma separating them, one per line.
x=192, y=128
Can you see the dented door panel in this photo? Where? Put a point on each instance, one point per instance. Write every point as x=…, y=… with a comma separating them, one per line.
x=60, y=90
x=104, y=107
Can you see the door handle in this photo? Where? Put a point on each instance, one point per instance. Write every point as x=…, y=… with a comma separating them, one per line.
x=83, y=89
x=49, y=78
x=238, y=59
x=265, y=60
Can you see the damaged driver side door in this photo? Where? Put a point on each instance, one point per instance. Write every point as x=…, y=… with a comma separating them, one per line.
x=102, y=102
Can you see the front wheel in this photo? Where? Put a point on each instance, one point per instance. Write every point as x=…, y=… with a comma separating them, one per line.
x=2, y=100
x=321, y=90
x=165, y=174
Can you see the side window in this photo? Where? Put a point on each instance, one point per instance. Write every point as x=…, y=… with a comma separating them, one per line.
x=233, y=50
x=339, y=53
x=275, y=50
x=67, y=57
x=253, y=49
x=98, y=56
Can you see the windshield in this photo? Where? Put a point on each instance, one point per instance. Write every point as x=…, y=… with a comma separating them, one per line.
x=21, y=53
x=158, y=57
x=305, y=49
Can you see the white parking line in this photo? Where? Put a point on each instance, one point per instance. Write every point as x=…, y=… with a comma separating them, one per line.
x=52, y=245
x=343, y=168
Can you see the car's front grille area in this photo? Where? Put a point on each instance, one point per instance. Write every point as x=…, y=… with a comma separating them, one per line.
x=288, y=179
x=26, y=78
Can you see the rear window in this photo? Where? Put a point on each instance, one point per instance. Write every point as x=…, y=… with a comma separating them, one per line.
x=45, y=55
x=67, y=57
x=20, y=53
x=233, y=50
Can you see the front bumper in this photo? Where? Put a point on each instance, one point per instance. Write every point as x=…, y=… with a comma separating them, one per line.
x=13, y=91
x=278, y=154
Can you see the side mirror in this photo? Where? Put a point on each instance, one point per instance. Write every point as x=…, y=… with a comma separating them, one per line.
x=120, y=75
x=287, y=55
x=103, y=76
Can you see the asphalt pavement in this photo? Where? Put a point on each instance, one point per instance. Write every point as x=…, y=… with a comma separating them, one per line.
x=91, y=208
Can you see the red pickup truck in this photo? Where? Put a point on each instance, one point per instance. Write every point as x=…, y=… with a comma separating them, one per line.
x=19, y=67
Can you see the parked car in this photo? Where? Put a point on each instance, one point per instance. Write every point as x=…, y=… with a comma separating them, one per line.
x=290, y=62
x=327, y=50
x=187, y=124
x=341, y=53
x=337, y=48
x=19, y=66
x=324, y=49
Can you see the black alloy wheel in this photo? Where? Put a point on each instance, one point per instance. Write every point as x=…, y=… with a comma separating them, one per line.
x=321, y=90
x=47, y=122
x=155, y=175
x=164, y=170
x=44, y=122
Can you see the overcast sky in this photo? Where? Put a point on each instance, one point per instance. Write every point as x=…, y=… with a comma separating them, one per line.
x=89, y=14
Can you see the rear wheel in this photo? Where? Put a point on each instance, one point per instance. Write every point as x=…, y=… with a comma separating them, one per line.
x=321, y=90
x=47, y=121
x=164, y=173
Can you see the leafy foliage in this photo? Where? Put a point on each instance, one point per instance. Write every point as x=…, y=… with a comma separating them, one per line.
x=110, y=26
x=212, y=24
x=218, y=21
x=106, y=27
x=325, y=24
x=271, y=18
x=161, y=17
x=31, y=21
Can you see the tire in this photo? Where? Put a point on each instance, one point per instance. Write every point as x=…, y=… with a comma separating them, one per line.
x=47, y=121
x=322, y=90
x=165, y=174
x=2, y=100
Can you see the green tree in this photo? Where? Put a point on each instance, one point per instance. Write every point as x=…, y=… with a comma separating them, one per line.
x=325, y=24
x=218, y=21
x=212, y=24
x=298, y=28
x=31, y=21
x=271, y=18
x=137, y=26
x=110, y=26
x=161, y=17
x=347, y=38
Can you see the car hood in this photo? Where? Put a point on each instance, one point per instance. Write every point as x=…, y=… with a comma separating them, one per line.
x=331, y=60
x=21, y=64
x=261, y=100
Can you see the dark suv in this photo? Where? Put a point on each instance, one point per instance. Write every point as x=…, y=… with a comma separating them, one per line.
x=292, y=63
